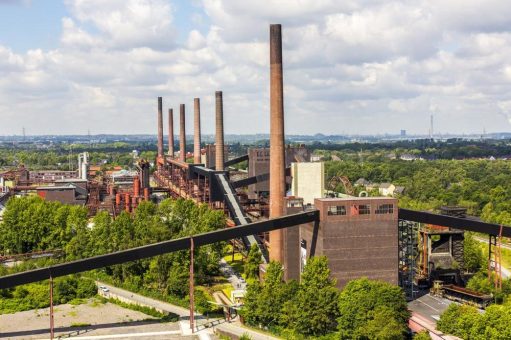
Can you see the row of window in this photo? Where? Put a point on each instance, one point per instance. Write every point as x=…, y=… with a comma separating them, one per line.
x=361, y=209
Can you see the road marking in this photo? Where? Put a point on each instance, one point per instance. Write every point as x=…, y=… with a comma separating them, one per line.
x=127, y=335
x=437, y=299
x=428, y=305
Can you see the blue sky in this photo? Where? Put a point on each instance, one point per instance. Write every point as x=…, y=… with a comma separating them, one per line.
x=37, y=24
x=356, y=67
x=31, y=25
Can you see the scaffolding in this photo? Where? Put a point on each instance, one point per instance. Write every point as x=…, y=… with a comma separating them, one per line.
x=495, y=259
x=408, y=252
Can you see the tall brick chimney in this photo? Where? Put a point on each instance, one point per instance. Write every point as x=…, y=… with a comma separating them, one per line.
x=171, y=132
x=277, y=158
x=160, y=128
x=182, y=133
x=219, y=141
x=196, y=131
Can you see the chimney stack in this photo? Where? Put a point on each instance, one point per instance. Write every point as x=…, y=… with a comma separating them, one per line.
x=277, y=158
x=171, y=133
x=160, y=128
x=182, y=134
x=219, y=148
x=196, y=131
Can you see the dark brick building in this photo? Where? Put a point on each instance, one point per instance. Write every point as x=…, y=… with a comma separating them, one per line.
x=359, y=235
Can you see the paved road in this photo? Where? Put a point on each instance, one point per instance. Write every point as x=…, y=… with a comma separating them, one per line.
x=235, y=279
x=506, y=273
x=429, y=307
x=203, y=333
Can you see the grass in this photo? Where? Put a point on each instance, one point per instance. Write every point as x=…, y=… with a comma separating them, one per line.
x=163, y=317
x=237, y=264
x=77, y=301
x=506, y=255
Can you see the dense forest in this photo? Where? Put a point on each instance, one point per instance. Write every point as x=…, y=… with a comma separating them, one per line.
x=32, y=224
x=482, y=186
x=454, y=148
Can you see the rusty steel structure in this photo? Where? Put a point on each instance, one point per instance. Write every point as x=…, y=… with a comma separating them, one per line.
x=277, y=145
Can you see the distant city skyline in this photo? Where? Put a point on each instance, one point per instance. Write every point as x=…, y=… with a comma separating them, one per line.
x=351, y=68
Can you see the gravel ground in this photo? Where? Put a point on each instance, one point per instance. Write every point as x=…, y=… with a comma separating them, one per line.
x=103, y=319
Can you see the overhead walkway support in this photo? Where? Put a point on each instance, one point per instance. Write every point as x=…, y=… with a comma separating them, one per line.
x=238, y=214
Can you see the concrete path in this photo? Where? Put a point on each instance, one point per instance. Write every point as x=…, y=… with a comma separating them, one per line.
x=203, y=332
x=235, y=279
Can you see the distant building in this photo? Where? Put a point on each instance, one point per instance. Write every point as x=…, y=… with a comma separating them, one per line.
x=362, y=182
x=403, y=133
x=386, y=189
x=66, y=194
x=259, y=163
x=407, y=157
x=316, y=158
x=308, y=181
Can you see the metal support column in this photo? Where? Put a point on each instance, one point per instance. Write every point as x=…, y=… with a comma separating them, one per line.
x=192, y=321
x=495, y=259
x=52, y=334
x=407, y=252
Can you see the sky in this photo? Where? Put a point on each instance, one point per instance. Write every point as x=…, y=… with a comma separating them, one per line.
x=350, y=66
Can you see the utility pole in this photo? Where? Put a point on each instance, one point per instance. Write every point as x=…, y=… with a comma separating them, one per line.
x=51, y=309
x=192, y=321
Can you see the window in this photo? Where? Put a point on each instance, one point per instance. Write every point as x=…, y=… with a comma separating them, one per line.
x=336, y=210
x=385, y=209
x=364, y=209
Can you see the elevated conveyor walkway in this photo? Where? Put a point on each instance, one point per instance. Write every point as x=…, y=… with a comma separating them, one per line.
x=237, y=213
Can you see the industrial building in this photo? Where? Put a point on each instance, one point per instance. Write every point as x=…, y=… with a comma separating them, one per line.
x=358, y=235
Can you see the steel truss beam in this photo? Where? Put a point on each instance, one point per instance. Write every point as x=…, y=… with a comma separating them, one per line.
x=160, y=248
x=453, y=222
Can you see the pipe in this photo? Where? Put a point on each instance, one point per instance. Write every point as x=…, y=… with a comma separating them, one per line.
x=136, y=186
x=171, y=132
x=160, y=127
x=219, y=148
x=117, y=200
x=277, y=158
x=196, y=130
x=146, y=194
x=182, y=134
x=127, y=202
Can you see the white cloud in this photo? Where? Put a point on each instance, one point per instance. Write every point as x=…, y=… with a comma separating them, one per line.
x=351, y=67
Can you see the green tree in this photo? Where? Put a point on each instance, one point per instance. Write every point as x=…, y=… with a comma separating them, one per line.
x=458, y=320
x=360, y=307
x=316, y=300
x=472, y=254
x=422, y=335
x=251, y=267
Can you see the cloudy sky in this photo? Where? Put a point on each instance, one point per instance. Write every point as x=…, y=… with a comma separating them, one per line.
x=350, y=66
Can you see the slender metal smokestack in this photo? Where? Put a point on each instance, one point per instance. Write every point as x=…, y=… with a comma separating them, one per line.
x=277, y=160
x=160, y=128
x=171, y=132
x=219, y=148
x=196, y=131
x=182, y=134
